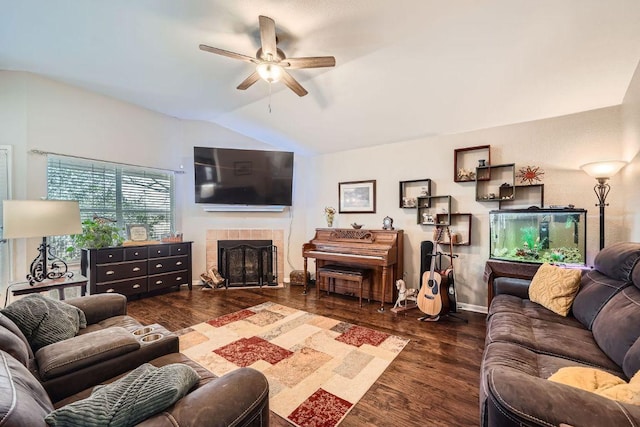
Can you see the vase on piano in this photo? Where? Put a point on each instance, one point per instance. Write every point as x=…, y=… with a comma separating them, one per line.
x=329, y=214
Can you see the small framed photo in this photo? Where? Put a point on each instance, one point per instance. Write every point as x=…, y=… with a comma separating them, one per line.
x=138, y=232
x=357, y=197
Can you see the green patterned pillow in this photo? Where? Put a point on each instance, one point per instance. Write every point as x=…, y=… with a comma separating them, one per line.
x=143, y=392
x=44, y=321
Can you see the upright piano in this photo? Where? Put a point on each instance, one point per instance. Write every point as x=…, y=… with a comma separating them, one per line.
x=378, y=250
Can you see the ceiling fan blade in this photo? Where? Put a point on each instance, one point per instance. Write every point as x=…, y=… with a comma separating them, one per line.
x=227, y=53
x=254, y=77
x=310, y=62
x=293, y=84
x=268, y=36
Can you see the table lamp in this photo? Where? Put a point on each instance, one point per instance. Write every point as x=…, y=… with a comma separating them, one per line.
x=42, y=218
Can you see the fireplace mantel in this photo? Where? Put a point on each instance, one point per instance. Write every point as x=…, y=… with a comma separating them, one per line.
x=277, y=236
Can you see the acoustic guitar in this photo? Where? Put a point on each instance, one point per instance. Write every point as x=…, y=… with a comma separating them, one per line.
x=429, y=298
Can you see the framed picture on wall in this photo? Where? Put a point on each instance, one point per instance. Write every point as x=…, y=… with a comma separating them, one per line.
x=357, y=197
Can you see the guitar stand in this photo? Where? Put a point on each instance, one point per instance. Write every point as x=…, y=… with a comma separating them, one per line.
x=427, y=318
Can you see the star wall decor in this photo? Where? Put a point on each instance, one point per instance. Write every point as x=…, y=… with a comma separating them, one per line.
x=530, y=174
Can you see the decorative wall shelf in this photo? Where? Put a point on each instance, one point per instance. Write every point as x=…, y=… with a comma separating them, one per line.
x=460, y=228
x=411, y=190
x=434, y=210
x=527, y=196
x=467, y=159
x=495, y=183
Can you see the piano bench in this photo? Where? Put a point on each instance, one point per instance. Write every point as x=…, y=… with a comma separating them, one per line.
x=331, y=272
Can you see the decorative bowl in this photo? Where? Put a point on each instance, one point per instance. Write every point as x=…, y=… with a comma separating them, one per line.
x=357, y=226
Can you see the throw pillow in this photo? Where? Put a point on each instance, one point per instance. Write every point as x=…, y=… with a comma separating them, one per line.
x=44, y=321
x=600, y=382
x=555, y=288
x=141, y=393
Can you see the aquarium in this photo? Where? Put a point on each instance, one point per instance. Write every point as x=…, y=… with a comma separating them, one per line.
x=539, y=235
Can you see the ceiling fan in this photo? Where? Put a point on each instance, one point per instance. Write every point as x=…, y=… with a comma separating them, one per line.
x=271, y=63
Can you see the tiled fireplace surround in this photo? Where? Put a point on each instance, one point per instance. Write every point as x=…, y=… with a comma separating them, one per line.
x=276, y=236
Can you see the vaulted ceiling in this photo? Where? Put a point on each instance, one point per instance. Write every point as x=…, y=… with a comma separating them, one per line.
x=405, y=68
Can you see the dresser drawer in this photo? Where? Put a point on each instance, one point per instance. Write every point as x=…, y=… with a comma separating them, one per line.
x=132, y=254
x=163, y=265
x=159, y=251
x=124, y=287
x=104, y=256
x=123, y=270
x=179, y=249
x=160, y=281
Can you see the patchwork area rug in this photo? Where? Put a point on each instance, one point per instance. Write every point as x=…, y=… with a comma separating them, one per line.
x=318, y=368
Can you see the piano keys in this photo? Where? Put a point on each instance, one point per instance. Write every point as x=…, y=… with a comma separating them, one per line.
x=378, y=250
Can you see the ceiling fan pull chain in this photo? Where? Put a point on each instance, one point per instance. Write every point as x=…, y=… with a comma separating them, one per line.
x=269, y=97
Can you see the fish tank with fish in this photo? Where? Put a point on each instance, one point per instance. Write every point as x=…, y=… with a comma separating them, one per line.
x=539, y=235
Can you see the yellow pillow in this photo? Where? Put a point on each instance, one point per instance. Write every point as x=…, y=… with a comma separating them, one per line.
x=601, y=383
x=555, y=288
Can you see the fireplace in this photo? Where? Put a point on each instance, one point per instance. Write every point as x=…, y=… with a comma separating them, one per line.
x=248, y=262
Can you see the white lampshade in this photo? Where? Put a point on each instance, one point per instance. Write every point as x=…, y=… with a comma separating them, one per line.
x=603, y=169
x=40, y=218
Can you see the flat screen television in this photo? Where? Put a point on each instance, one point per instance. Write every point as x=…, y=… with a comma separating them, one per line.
x=229, y=176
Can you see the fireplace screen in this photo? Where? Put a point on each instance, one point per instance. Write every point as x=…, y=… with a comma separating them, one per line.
x=248, y=262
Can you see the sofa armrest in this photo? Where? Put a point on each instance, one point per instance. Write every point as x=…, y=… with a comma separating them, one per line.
x=239, y=398
x=99, y=307
x=515, y=398
x=511, y=286
x=80, y=351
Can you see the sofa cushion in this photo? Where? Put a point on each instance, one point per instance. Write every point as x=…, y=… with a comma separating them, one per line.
x=143, y=392
x=618, y=260
x=512, y=304
x=555, y=288
x=541, y=336
x=596, y=290
x=617, y=327
x=85, y=350
x=600, y=382
x=13, y=341
x=44, y=321
x=23, y=401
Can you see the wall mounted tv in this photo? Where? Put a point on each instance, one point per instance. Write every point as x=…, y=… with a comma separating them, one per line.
x=227, y=176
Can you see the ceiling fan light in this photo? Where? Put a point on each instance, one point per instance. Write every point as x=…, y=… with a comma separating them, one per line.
x=269, y=72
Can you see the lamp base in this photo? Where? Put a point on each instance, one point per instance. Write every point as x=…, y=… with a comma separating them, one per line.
x=40, y=270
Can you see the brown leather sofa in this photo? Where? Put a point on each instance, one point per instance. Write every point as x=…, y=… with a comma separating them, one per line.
x=526, y=343
x=32, y=385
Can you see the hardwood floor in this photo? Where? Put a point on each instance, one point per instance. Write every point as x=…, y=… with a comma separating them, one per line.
x=433, y=381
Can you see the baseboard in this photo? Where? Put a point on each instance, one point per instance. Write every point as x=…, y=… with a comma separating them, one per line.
x=471, y=307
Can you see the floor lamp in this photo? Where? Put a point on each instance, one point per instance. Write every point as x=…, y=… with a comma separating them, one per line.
x=602, y=171
x=42, y=218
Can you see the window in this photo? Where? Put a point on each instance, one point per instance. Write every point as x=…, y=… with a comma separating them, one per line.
x=124, y=194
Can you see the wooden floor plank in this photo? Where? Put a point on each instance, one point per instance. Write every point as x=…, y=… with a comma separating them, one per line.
x=433, y=381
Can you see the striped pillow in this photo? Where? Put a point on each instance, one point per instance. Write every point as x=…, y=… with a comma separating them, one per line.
x=143, y=392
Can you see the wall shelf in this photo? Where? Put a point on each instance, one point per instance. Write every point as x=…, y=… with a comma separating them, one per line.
x=460, y=228
x=411, y=190
x=468, y=159
x=527, y=196
x=434, y=210
x=496, y=183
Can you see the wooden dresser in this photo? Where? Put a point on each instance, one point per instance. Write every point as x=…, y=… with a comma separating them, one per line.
x=137, y=270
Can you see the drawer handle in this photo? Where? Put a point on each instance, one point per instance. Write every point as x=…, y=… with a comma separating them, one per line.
x=158, y=282
x=110, y=290
x=158, y=265
x=110, y=272
x=135, y=253
x=178, y=278
x=136, y=268
x=110, y=255
x=179, y=263
x=179, y=249
x=136, y=286
x=159, y=251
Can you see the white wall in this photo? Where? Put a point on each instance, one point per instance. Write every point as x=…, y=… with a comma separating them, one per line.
x=631, y=145
x=558, y=145
x=40, y=114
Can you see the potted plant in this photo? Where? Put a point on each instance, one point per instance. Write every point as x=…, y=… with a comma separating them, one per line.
x=97, y=234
